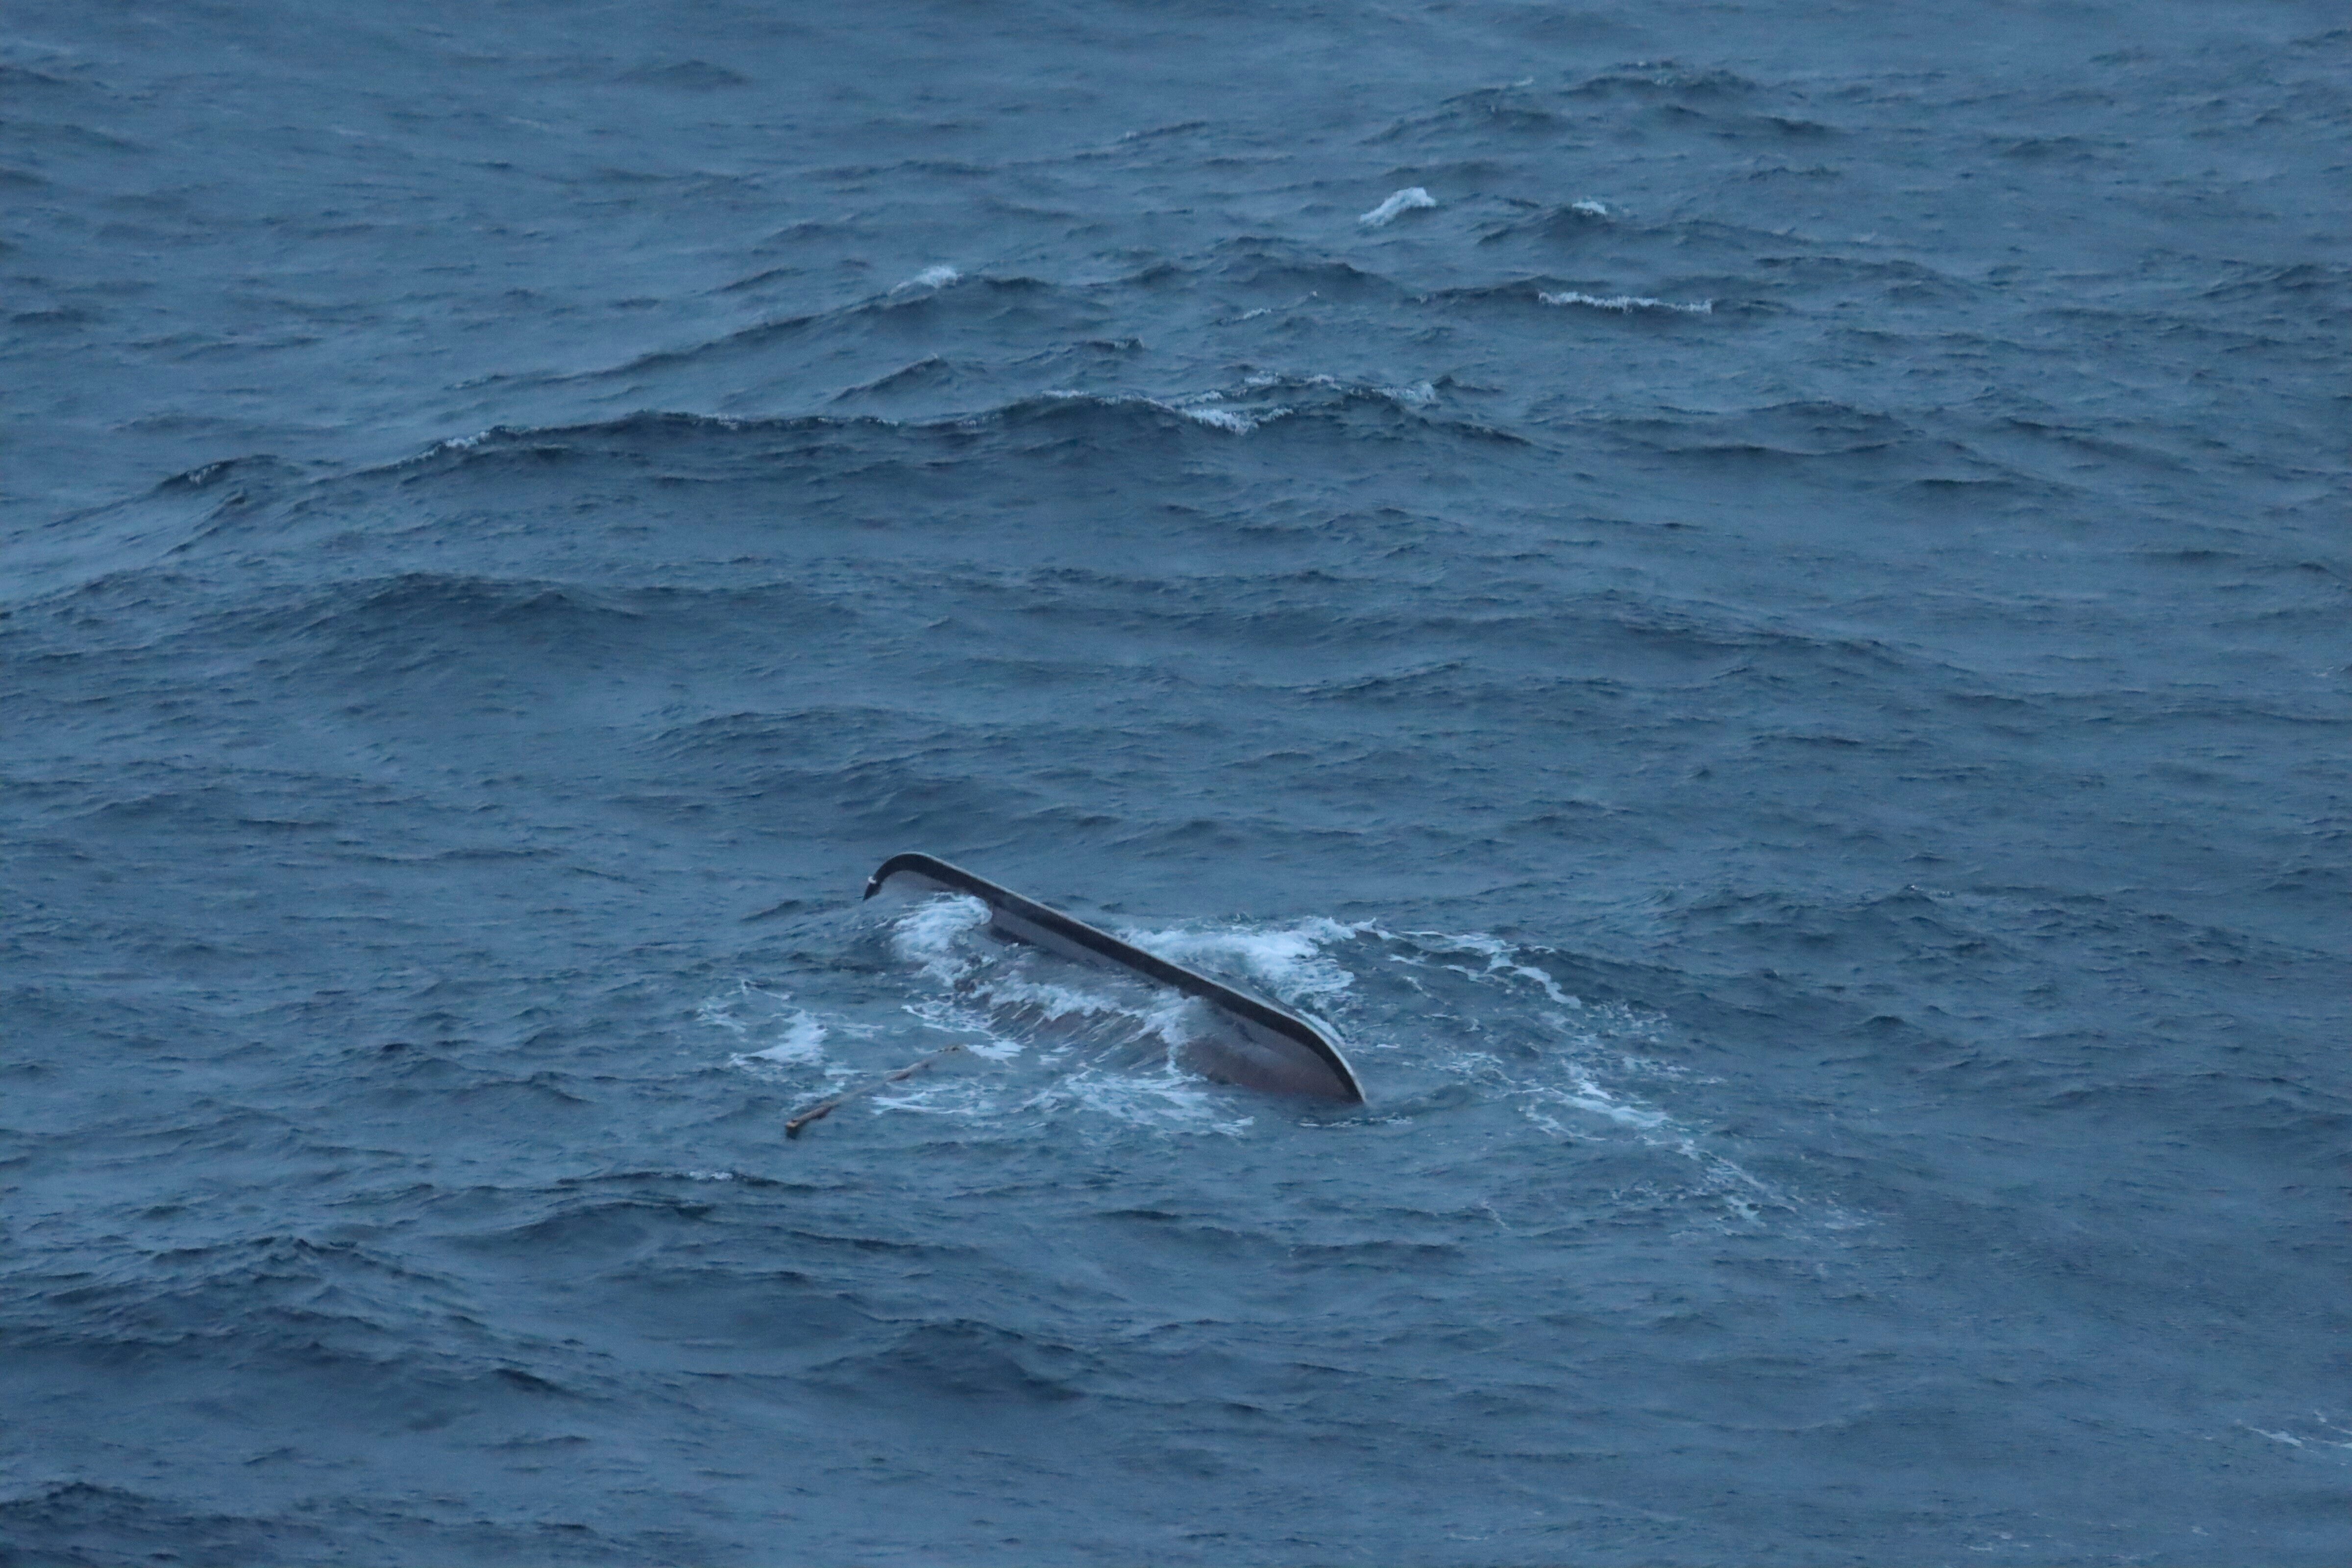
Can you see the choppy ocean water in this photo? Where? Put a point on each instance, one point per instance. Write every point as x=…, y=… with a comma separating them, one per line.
x=1750, y=600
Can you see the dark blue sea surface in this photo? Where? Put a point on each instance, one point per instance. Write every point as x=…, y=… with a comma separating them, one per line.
x=1751, y=600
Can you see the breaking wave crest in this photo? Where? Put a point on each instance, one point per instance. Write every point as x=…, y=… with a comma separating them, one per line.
x=1628, y=304
x=1404, y=201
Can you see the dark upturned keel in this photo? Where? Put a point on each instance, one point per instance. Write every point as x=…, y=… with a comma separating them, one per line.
x=1254, y=1044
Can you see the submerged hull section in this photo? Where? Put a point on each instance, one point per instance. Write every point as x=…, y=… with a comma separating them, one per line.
x=1248, y=1041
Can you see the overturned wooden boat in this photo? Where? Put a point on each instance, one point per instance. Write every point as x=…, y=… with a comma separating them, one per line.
x=1246, y=1040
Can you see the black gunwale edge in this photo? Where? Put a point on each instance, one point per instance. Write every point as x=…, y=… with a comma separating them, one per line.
x=1124, y=953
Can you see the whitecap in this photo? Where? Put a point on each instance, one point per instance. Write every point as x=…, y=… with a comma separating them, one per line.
x=1405, y=200
x=1230, y=419
x=1204, y=407
x=937, y=277
x=1626, y=304
x=1200, y=407
x=1589, y=207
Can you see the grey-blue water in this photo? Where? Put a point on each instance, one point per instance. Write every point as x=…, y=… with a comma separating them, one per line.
x=1750, y=599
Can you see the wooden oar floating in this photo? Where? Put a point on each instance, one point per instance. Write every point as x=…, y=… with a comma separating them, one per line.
x=1242, y=1039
